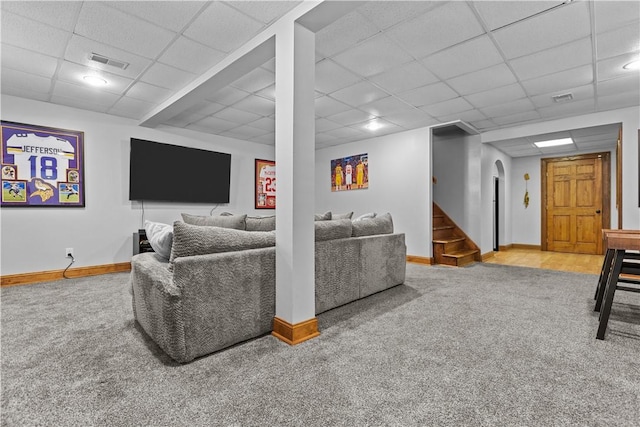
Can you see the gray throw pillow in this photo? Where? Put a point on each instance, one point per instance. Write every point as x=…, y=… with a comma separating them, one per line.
x=347, y=215
x=189, y=240
x=323, y=217
x=239, y=222
x=381, y=224
x=366, y=216
x=261, y=223
x=333, y=229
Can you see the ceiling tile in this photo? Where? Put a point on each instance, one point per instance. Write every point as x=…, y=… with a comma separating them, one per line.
x=407, y=76
x=268, y=138
x=131, y=108
x=385, y=106
x=343, y=33
x=416, y=118
x=564, y=24
x=466, y=116
x=629, y=83
x=430, y=94
x=213, y=123
x=559, y=81
x=551, y=61
x=79, y=49
x=115, y=28
x=27, y=34
x=237, y=116
x=266, y=123
x=578, y=93
x=497, y=14
x=227, y=96
x=516, y=118
x=268, y=92
x=385, y=14
x=596, y=145
x=478, y=81
x=610, y=15
x=28, y=61
x=617, y=42
x=327, y=106
x=168, y=77
x=86, y=94
x=73, y=73
x=612, y=68
x=79, y=103
x=264, y=11
x=168, y=14
x=383, y=127
x=183, y=119
x=255, y=80
x=622, y=100
x=599, y=132
x=358, y=94
x=231, y=30
x=244, y=132
x=323, y=138
x=569, y=108
x=331, y=76
x=485, y=125
x=437, y=29
x=497, y=96
x=24, y=93
x=257, y=105
x=25, y=81
x=373, y=56
x=350, y=117
x=345, y=132
x=205, y=108
x=446, y=108
x=149, y=93
x=513, y=107
x=59, y=14
x=191, y=56
x=464, y=58
x=323, y=125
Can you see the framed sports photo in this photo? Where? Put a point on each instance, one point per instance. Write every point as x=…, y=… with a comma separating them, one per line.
x=350, y=173
x=265, y=184
x=41, y=166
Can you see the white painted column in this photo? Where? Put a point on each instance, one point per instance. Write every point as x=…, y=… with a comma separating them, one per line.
x=295, y=164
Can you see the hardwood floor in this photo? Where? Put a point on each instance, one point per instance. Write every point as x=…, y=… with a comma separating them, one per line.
x=551, y=260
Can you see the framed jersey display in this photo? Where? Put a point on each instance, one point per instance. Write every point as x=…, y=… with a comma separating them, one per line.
x=350, y=173
x=265, y=184
x=41, y=166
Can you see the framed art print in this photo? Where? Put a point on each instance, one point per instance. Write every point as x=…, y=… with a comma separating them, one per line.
x=265, y=184
x=41, y=166
x=350, y=173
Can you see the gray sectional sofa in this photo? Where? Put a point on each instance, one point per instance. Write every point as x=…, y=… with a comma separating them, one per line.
x=218, y=286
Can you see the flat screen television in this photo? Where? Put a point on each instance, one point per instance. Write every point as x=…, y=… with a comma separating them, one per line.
x=165, y=172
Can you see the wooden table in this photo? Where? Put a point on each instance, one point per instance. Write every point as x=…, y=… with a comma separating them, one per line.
x=618, y=244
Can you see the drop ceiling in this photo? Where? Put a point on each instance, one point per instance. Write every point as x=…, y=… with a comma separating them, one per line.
x=399, y=64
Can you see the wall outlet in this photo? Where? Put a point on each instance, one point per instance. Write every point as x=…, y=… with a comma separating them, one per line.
x=68, y=253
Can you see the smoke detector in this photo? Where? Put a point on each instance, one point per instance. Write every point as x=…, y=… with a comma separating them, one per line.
x=562, y=97
x=108, y=61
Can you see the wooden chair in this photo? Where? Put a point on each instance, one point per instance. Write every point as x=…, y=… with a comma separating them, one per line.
x=621, y=245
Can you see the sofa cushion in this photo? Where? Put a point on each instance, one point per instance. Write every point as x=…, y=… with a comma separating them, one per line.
x=366, y=216
x=323, y=217
x=239, y=222
x=347, y=215
x=189, y=240
x=381, y=224
x=261, y=223
x=333, y=229
x=160, y=237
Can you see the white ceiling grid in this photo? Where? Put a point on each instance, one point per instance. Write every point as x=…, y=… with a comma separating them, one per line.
x=402, y=64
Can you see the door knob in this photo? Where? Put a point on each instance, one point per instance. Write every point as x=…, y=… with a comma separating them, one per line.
x=598, y=211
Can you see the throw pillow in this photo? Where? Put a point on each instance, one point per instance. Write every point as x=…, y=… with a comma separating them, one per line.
x=160, y=237
x=189, y=240
x=323, y=217
x=381, y=224
x=239, y=222
x=366, y=216
x=333, y=229
x=347, y=215
x=261, y=223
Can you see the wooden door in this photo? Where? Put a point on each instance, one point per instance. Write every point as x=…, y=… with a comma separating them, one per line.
x=576, y=203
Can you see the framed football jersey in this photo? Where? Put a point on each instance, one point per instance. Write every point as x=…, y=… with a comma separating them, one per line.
x=41, y=166
x=265, y=184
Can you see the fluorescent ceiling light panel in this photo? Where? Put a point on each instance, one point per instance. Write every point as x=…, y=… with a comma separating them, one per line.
x=553, y=142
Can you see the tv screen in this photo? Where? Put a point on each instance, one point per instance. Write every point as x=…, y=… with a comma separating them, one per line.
x=164, y=172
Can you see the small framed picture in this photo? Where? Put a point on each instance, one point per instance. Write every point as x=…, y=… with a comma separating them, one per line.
x=265, y=184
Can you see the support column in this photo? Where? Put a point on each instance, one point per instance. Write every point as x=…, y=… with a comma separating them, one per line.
x=295, y=163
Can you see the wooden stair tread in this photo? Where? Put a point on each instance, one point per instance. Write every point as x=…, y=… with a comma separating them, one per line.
x=443, y=227
x=461, y=254
x=449, y=240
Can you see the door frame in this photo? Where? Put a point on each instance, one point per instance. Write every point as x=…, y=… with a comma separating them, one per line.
x=606, y=189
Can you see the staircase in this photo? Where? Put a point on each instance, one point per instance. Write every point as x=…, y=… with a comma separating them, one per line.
x=450, y=245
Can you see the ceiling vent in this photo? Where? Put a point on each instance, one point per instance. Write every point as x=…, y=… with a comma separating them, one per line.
x=108, y=61
x=563, y=97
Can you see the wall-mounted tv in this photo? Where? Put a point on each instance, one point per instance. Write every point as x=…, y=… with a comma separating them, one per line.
x=165, y=172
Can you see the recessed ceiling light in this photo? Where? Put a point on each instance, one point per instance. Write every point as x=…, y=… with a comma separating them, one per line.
x=373, y=125
x=633, y=65
x=553, y=142
x=94, y=80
